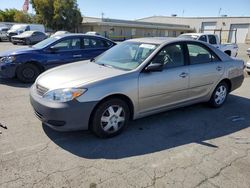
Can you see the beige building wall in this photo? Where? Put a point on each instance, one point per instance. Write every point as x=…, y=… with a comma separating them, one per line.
x=223, y=23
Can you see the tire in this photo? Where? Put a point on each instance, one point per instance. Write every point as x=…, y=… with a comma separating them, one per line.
x=27, y=73
x=219, y=95
x=110, y=118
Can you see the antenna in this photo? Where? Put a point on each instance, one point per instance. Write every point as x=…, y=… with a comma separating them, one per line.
x=183, y=11
x=102, y=15
x=219, y=12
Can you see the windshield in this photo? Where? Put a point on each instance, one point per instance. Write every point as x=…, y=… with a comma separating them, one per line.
x=27, y=33
x=17, y=27
x=45, y=43
x=126, y=56
x=195, y=37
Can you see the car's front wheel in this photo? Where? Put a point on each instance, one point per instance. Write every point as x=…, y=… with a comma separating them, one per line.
x=27, y=73
x=219, y=95
x=110, y=118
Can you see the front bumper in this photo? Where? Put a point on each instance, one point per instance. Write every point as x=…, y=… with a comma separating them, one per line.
x=18, y=40
x=68, y=116
x=8, y=70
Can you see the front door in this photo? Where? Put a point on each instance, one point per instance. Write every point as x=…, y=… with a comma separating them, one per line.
x=169, y=87
x=63, y=52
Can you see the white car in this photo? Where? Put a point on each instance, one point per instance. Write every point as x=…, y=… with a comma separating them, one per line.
x=59, y=33
x=248, y=67
x=248, y=52
x=230, y=48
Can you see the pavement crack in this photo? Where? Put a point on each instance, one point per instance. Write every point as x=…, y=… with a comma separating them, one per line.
x=222, y=168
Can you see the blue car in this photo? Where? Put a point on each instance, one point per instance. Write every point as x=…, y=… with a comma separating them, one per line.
x=27, y=63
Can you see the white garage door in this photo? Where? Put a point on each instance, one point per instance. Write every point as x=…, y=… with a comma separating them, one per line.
x=241, y=34
x=208, y=27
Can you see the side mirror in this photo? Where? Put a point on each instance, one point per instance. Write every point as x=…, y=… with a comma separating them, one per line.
x=154, y=67
x=52, y=49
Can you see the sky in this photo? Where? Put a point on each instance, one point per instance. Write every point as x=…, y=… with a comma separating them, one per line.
x=135, y=9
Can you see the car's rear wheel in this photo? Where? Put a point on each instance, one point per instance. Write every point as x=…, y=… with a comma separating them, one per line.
x=27, y=73
x=219, y=95
x=110, y=118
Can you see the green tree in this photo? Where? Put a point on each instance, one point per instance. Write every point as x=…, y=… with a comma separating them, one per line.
x=7, y=15
x=22, y=17
x=58, y=14
x=14, y=15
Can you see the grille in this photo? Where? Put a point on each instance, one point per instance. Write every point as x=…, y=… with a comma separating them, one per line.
x=41, y=90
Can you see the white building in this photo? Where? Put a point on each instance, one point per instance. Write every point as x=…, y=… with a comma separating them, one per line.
x=229, y=27
x=126, y=29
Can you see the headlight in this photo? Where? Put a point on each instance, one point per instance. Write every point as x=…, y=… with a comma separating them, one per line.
x=7, y=59
x=63, y=95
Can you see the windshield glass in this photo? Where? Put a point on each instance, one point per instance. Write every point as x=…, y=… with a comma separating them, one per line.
x=126, y=56
x=45, y=42
x=27, y=33
x=195, y=37
x=17, y=27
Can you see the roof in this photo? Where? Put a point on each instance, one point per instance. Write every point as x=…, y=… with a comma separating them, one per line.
x=130, y=23
x=79, y=34
x=180, y=17
x=157, y=40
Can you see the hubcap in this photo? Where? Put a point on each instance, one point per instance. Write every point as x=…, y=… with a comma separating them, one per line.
x=220, y=95
x=113, y=119
x=28, y=73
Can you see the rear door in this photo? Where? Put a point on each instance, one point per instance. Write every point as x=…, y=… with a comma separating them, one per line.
x=205, y=69
x=168, y=87
x=94, y=46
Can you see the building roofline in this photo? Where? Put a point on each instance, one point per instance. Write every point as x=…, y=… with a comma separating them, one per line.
x=132, y=23
x=203, y=17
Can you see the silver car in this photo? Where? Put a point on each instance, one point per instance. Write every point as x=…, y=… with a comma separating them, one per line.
x=134, y=79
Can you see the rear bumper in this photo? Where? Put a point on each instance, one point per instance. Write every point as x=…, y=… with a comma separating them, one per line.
x=66, y=116
x=236, y=82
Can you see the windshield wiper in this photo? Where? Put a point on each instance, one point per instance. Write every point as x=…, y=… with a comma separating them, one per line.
x=92, y=60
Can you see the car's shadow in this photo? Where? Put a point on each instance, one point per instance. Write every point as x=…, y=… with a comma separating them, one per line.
x=13, y=82
x=194, y=124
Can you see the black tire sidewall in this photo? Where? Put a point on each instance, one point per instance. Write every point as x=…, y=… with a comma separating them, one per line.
x=24, y=79
x=95, y=126
x=212, y=100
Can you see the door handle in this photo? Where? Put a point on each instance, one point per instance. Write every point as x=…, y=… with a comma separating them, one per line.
x=183, y=75
x=77, y=55
x=218, y=68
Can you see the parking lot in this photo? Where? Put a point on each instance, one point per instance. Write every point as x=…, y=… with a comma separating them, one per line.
x=195, y=146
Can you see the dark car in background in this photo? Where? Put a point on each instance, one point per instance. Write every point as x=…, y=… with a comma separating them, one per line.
x=29, y=37
x=27, y=63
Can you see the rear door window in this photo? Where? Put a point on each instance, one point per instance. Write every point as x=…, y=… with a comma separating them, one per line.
x=200, y=55
x=90, y=43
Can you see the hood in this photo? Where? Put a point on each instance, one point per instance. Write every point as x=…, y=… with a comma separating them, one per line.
x=76, y=75
x=12, y=31
x=17, y=51
x=22, y=35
